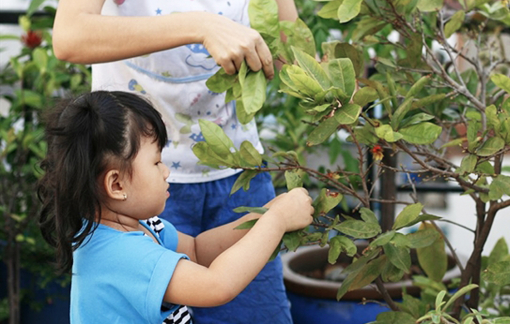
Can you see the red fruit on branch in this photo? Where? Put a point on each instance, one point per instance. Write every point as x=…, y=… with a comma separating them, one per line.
x=32, y=39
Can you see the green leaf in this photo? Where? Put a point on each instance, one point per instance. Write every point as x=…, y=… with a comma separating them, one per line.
x=250, y=154
x=455, y=142
x=220, y=81
x=399, y=256
x=337, y=49
x=462, y=291
x=40, y=58
x=499, y=186
x=339, y=244
x=348, y=10
x=342, y=75
x=348, y=114
x=424, y=133
x=422, y=238
x=246, y=225
x=304, y=83
x=366, y=134
x=254, y=91
x=392, y=92
x=330, y=10
x=433, y=259
x=386, y=133
x=491, y=146
x=367, y=26
x=358, y=229
x=299, y=35
x=423, y=218
x=323, y=131
x=454, y=23
x=292, y=240
x=369, y=273
x=383, y=239
x=207, y=156
x=359, y=263
x=400, y=113
x=428, y=101
x=430, y=5
x=242, y=115
x=492, y=117
x=255, y=210
x=468, y=164
x=311, y=67
x=390, y=273
x=215, y=137
x=263, y=16
x=243, y=181
x=395, y=318
x=365, y=96
x=504, y=130
x=368, y=216
x=499, y=252
x=325, y=202
x=415, y=119
x=501, y=81
x=34, y=5
x=293, y=180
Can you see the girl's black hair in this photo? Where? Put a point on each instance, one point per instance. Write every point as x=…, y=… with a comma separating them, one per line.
x=85, y=136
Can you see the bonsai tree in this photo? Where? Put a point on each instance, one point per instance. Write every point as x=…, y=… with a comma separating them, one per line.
x=387, y=87
x=30, y=82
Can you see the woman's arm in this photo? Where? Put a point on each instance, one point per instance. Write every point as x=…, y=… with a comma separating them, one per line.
x=82, y=35
x=235, y=263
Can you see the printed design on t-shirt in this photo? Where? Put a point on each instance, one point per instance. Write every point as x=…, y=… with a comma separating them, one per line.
x=200, y=57
x=119, y=2
x=133, y=85
x=176, y=165
x=186, y=120
x=197, y=137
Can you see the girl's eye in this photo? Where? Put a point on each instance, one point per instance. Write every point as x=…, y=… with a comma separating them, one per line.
x=158, y=162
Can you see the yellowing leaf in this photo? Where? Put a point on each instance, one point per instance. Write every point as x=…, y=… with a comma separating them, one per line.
x=454, y=23
x=348, y=10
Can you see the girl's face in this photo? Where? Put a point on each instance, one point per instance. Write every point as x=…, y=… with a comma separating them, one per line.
x=147, y=190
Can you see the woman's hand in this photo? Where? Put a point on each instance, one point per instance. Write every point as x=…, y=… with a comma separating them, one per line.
x=231, y=43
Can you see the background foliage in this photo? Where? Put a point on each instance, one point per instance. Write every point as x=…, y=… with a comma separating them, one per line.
x=30, y=82
x=417, y=79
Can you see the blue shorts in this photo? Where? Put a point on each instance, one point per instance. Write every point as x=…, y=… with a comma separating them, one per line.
x=197, y=207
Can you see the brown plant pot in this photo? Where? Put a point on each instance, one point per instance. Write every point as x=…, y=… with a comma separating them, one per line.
x=313, y=258
x=313, y=301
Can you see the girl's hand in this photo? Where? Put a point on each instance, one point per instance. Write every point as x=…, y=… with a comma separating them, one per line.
x=231, y=43
x=293, y=208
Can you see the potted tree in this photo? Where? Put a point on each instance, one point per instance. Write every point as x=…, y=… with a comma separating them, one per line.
x=30, y=82
x=419, y=104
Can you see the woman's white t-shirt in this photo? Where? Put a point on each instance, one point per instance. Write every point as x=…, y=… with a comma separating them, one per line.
x=174, y=81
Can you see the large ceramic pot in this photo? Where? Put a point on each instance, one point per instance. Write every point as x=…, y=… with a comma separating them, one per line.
x=313, y=301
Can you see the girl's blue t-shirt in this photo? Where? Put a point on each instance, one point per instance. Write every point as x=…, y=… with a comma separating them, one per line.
x=121, y=277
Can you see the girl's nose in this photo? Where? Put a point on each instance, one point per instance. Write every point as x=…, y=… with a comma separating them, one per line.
x=166, y=170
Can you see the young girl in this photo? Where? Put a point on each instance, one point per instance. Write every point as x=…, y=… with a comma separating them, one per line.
x=103, y=184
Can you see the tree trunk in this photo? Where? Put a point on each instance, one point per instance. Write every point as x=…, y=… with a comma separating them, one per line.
x=388, y=191
x=12, y=261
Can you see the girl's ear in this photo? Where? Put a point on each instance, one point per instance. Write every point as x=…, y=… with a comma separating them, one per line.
x=114, y=185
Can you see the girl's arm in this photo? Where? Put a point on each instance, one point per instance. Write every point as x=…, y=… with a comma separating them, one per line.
x=233, y=258
x=82, y=35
